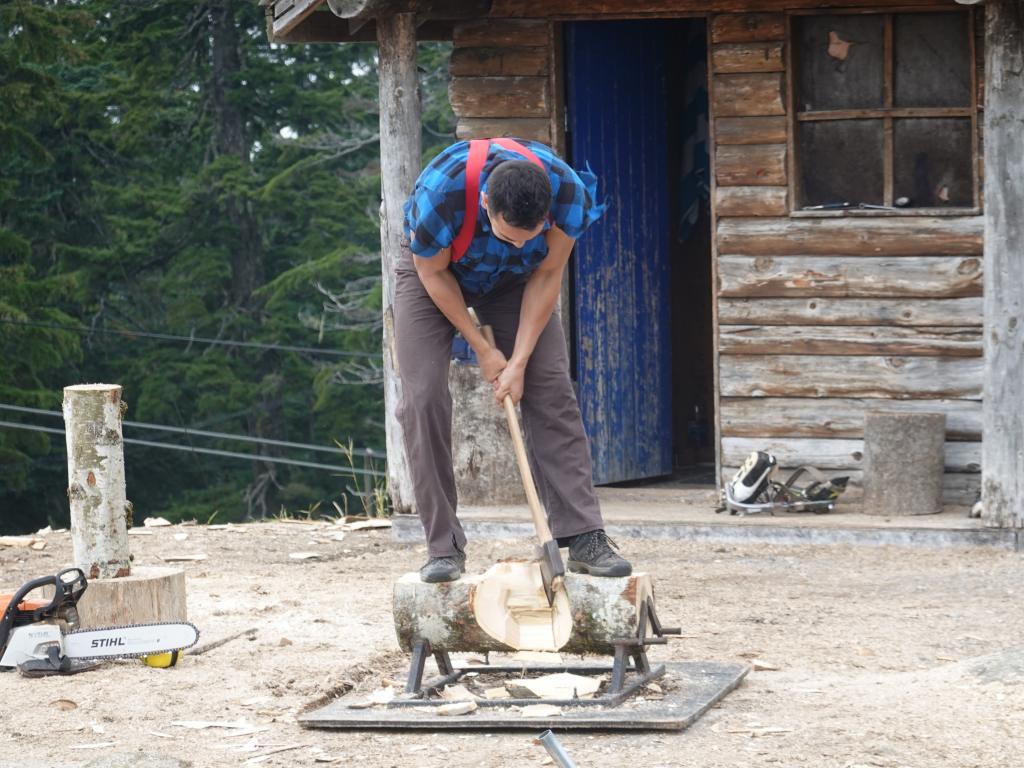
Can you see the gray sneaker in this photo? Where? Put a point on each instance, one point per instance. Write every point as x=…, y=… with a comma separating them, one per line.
x=592, y=553
x=448, y=568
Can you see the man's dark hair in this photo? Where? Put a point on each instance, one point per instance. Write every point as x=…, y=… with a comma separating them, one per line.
x=521, y=192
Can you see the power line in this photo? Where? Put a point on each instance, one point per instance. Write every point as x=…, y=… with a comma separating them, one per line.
x=195, y=339
x=368, y=452
x=214, y=452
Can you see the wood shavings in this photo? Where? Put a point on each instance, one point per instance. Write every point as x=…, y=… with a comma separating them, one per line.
x=203, y=724
x=541, y=710
x=29, y=542
x=267, y=755
x=366, y=524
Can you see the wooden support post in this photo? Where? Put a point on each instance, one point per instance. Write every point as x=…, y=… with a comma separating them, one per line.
x=96, y=485
x=400, y=158
x=1002, y=473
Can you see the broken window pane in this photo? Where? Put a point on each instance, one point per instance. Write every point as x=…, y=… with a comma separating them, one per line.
x=933, y=162
x=841, y=161
x=839, y=62
x=932, y=67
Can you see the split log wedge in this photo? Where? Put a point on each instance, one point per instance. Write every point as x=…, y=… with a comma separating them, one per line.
x=505, y=609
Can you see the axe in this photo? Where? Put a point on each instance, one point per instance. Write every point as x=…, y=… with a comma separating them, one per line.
x=552, y=569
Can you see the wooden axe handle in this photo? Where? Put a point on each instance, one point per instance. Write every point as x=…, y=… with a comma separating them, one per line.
x=540, y=521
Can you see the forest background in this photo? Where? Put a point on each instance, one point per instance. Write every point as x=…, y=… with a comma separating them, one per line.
x=193, y=213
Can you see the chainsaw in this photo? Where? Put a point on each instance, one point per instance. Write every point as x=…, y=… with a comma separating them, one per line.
x=42, y=637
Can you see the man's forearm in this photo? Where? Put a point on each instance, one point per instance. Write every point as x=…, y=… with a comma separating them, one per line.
x=541, y=295
x=539, y=299
x=444, y=290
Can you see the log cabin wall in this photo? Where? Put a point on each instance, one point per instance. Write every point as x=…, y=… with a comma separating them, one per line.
x=818, y=320
x=822, y=319
x=503, y=80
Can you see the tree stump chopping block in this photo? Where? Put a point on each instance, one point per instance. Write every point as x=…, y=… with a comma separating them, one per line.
x=151, y=593
x=904, y=454
x=505, y=610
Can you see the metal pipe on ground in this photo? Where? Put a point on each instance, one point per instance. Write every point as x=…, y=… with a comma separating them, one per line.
x=554, y=748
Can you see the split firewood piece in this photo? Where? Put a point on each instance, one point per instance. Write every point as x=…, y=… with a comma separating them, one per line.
x=380, y=696
x=182, y=558
x=457, y=693
x=540, y=710
x=561, y=686
x=456, y=708
x=505, y=610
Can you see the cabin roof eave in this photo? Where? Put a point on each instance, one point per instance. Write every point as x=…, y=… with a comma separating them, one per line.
x=350, y=21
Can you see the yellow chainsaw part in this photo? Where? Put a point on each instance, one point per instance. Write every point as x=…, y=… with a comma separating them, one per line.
x=161, y=660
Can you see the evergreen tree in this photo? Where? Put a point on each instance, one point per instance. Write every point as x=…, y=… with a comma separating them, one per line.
x=179, y=175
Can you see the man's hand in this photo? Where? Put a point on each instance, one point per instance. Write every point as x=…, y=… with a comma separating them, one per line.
x=492, y=363
x=510, y=383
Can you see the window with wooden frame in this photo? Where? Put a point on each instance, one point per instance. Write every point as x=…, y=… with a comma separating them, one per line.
x=884, y=111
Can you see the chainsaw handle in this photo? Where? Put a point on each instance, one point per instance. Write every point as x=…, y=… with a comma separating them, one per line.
x=65, y=590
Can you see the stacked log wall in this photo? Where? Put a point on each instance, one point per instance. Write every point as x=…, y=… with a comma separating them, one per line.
x=503, y=81
x=817, y=320
x=821, y=319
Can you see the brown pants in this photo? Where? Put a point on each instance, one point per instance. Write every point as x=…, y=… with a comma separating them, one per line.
x=555, y=440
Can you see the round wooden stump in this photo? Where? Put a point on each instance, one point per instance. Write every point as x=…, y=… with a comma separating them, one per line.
x=904, y=461
x=149, y=594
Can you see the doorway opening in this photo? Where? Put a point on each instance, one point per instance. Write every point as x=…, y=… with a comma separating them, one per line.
x=641, y=286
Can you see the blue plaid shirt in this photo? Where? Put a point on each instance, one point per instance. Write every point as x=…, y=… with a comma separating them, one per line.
x=435, y=211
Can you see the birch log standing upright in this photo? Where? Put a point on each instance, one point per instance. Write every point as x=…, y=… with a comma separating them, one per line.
x=400, y=150
x=1002, y=479
x=96, y=486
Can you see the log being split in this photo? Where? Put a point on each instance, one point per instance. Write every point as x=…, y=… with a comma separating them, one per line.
x=505, y=610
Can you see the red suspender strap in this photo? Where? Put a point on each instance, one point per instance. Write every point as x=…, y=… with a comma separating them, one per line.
x=474, y=169
x=514, y=146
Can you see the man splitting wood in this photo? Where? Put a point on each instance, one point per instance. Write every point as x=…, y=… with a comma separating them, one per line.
x=490, y=225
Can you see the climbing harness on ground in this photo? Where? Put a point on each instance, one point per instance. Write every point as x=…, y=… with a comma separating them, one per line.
x=754, y=491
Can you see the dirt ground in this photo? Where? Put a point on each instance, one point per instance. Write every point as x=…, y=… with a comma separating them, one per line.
x=885, y=656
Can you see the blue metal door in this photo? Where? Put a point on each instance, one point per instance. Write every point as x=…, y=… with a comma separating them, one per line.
x=618, y=124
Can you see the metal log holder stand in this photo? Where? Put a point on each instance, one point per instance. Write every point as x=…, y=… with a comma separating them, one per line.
x=630, y=657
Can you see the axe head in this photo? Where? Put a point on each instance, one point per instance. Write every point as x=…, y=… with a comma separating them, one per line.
x=552, y=569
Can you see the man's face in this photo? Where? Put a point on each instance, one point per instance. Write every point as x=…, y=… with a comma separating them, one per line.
x=502, y=230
